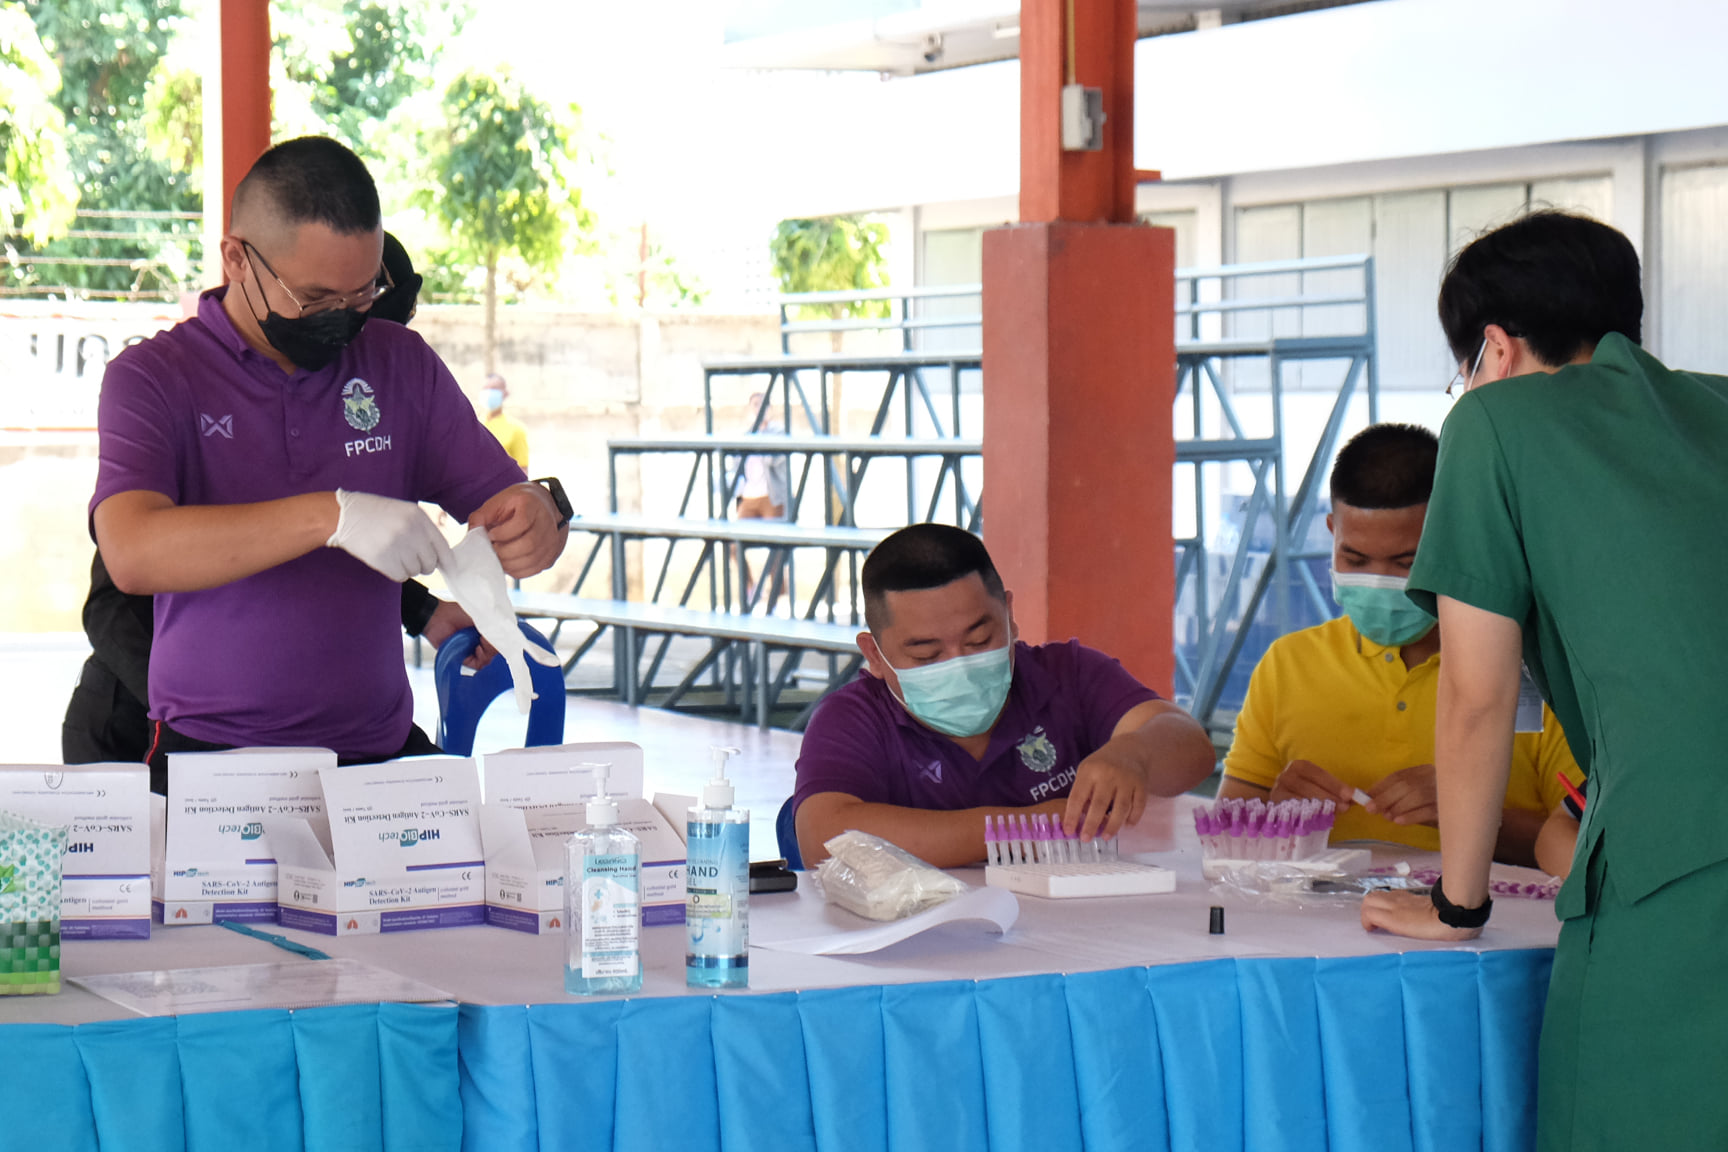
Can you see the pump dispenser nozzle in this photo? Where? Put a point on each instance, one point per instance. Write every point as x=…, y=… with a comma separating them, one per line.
x=718, y=793
x=602, y=807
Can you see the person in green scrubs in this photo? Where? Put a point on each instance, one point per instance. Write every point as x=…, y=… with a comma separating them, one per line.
x=1579, y=521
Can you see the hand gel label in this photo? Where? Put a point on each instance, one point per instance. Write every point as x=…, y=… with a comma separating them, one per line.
x=610, y=908
x=718, y=878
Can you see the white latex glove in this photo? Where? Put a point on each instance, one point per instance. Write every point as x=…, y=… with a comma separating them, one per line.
x=394, y=536
x=477, y=580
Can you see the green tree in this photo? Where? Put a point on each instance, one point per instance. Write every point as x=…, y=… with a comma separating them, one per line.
x=107, y=52
x=336, y=70
x=38, y=195
x=499, y=181
x=832, y=254
x=173, y=109
x=342, y=69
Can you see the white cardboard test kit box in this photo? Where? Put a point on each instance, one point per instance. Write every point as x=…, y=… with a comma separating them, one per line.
x=105, y=872
x=403, y=853
x=559, y=773
x=213, y=840
x=536, y=799
x=525, y=860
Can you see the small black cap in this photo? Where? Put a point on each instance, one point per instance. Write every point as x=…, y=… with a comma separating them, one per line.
x=1217, y=925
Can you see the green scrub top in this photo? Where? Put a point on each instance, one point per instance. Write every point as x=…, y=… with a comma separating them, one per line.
x=1591, y=506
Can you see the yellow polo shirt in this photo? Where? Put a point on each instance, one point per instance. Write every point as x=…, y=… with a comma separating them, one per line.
x=511, y=435
x=1330, y=695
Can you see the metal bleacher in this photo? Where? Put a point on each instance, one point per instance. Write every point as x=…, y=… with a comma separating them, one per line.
x=1241, y=328
x=763, y=641
x=1248, y=567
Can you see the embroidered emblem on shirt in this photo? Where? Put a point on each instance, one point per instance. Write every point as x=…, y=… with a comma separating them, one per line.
x=1036, y=751
x=212, y=426
x=358, y=406
x=932, y=772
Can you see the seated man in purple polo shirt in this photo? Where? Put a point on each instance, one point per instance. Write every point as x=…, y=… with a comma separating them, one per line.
x=954, y=719
x=260, y=469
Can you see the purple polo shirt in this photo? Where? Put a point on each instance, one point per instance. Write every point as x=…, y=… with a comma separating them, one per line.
x=308, y=653
x=1064, y=704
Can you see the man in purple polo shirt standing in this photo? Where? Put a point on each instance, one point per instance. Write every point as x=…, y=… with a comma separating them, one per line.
x=260, y=469
x=954, y=719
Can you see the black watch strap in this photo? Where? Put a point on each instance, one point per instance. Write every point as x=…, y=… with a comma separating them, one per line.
x=418, y=606
x=565, y=512
x=1455, y=917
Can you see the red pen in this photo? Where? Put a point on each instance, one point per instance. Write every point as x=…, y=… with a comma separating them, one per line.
x=1572, y=791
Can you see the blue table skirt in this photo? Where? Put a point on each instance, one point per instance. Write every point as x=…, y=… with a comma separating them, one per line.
x=1417, y=1051
x=352, y=1077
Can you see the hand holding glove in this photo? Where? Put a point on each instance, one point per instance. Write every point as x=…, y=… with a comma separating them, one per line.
x=396, y=537
x=475, y=577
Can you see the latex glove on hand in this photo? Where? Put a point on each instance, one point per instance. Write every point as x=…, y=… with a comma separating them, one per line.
x=395, y=537
x=476, y=578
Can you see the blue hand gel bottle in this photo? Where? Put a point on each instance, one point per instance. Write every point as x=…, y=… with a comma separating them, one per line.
x=717, y=887
x=603, y=901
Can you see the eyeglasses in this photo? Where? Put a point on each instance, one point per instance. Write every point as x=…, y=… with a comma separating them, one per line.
x=361, y=300
x=1459, y=376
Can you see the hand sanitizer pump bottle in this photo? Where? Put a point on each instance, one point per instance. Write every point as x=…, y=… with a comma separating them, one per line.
x=717, y=887
x=603, y=901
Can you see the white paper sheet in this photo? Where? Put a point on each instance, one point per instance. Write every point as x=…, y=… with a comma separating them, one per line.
x=995, y=906
x=290, y=984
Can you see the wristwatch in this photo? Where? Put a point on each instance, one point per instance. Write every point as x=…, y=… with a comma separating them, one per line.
x=565, y=512
x=1455, y=917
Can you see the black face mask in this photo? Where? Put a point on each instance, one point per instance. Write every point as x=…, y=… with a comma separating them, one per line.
x=311, y=342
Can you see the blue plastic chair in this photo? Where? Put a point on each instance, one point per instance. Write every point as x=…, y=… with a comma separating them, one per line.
x=786, y=832
x=462, y=700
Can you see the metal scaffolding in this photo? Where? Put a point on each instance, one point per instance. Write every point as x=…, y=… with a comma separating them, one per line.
x=1270, y=586
x=1249, y=337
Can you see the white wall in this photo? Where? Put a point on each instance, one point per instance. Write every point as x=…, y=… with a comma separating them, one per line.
x=1424, y=77
x=1393, y=80
x=1693, y=282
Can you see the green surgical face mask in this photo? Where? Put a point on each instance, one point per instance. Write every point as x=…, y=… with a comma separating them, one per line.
x=962, y=696
x=1379, y=608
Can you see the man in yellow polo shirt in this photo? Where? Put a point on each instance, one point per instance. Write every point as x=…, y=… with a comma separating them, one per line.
x=508, y=429
x=1348, y=706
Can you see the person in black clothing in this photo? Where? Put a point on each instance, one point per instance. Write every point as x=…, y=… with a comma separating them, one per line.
x=107, y=719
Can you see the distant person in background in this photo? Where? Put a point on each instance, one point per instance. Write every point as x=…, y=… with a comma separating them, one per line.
x=509, y=431
x=762, y=489
x=107, y=719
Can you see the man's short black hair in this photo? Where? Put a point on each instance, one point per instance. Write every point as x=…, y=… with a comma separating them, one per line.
x=1386, y=466
x=314, y=179
x=1560, y=281
x=923, y=556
